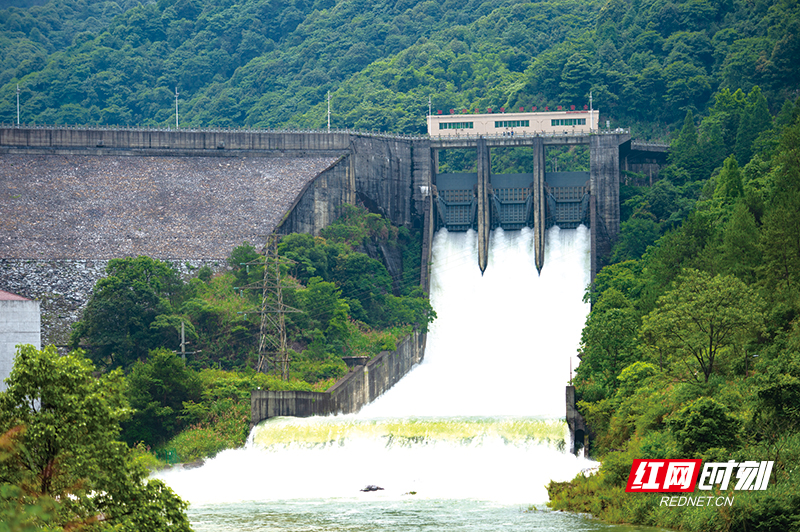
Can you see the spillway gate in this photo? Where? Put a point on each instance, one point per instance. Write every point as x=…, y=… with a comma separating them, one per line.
x=483, y=201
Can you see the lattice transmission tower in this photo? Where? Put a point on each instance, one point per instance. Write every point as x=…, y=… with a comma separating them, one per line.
x=273, y=352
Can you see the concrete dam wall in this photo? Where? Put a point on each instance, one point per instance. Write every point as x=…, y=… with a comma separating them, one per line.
x=361, y=386
x=72, y=198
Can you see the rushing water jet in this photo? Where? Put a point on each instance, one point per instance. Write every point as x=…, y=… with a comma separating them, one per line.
x=481, y=418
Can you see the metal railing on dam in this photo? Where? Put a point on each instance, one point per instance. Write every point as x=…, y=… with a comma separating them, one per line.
x=521, y=139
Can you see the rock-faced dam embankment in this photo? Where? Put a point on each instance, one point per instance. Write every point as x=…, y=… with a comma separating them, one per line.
x=103, y=207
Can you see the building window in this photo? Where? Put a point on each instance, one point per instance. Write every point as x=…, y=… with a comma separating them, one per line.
x=568, y=122
x=512, y=123
x=455, y=125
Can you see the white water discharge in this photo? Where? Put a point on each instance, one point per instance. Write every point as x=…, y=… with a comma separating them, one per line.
x=479, y=422
x=503, y=342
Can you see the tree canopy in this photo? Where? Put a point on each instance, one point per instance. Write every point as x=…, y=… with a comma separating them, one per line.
x=65, y=457
x=700, y=321
x=267, y=63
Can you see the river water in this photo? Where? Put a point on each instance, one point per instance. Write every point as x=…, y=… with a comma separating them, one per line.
x=466, y=441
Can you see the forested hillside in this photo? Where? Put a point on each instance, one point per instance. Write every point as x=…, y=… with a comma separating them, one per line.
x=270, y=63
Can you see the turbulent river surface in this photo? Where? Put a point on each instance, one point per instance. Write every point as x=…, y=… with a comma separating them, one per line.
x=466, y=441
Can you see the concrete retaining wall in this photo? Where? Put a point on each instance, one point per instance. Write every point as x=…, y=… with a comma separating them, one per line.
x=361, y=386
x=320, y=202
x=165, y=139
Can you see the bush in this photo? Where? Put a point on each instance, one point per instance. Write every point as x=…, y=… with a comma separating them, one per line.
x=157, y=389
x=702, y=425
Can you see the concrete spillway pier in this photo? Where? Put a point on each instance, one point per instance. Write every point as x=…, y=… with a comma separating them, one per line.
x=484, y=216
x=539, y=209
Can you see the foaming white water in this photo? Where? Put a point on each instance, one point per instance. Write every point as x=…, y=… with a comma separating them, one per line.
x=460, y=425
x=489, y=469
x=503, y=342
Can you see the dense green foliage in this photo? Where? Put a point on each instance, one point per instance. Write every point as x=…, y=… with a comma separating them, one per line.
x=131, y=311
x=181, y=414
x=348, y=303
x=342, y=293
x=157, y=390
x=691, y=348
x=61, y=464
x=270, y=63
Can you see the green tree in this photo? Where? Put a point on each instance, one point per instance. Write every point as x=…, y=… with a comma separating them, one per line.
x=700, y=320
x=635, y=236
x=574, y=83
x=684, y=151
x=729, y=181
x=366, y=281
x=69, y=449
x=727, y=111
x=240, y=260
x=776, y=404
x=156, y=390
x=740, y=254
x=752, y=122
x=324, y=310
x=609, y=341
x=781, y=223
x=117, y=325
x=712, y=146
x=20, y=510
x=309, y=256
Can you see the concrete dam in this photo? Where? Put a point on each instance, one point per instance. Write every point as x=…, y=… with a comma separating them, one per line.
x=73, y=193
x=73, y=198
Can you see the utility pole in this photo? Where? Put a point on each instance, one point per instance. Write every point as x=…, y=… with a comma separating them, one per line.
x=176, y=107
x=183, y=342
x=17, y=104
x=591, y=111
x=273, y=313
x=329, y=111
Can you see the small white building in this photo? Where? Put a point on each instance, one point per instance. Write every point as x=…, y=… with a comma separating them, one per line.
x=575, y=122
x=20, y=323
